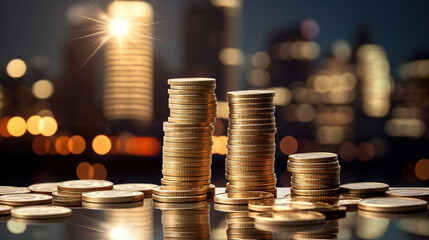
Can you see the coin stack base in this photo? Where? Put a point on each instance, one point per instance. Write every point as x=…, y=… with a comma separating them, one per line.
x=69, y=193
x=364, y=189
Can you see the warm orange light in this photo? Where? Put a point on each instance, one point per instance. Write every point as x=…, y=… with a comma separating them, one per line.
x=101, y=144
x=97, y=171
x=61, y=145
x=40, y=145
x=3, y=127
x=33, y=124
x=288, y=145
x=365, y=151
x=83, y=170
x=42, y=89
x=116, y=145
x=422, y=169
x=51, y=149
x=142, y=146
x=48, y=126
x=16, y=68
x=222, y=142
x=76, y=144
x=16, y=126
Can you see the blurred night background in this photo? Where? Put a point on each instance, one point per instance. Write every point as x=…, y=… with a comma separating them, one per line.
x=351, y=77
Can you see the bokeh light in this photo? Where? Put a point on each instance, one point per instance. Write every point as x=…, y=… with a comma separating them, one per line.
x=61, y=145
x=288, y=145
x=48, y=126
x=219, y=145
x=143, y=146
x=309, y=28
x=16, y=227
x=98, y=171
x=33, y=124
x=42, y=89
x=16, y=68
x=422, y=169
x=76, y=144
x=101, y=144
x=40, y=145
x=3, y=127
x=82, y=170
x=365, y=151
x=347, y=151
x=231, y=56
x=16, y=126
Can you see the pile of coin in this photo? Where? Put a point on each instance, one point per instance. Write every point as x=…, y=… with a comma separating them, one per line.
x=187, y=145
x=70, y=192
x=45, y=188
x=393, y=205
x=420, y=193
x=186, y=221
x=364, y=189
x=40, y=212
x=314, y=174
x=249, y=164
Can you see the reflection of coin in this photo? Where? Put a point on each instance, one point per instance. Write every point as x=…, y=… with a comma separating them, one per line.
x=47, y=188
x=41, y=212
x=85, y=185
x=364, y=187
x=387, y=204
x=301, y=206
x=263, y=205
x=241, y=197
x=25, y=199
x=5, y=210
x=421, y=193
x=112, y=196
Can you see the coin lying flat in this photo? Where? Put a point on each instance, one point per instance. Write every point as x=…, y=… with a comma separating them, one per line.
x=177, y=191
x=364, y=187
x=387, y=204
x=13, y=190
x=350, y=203
x=85, y=185
x=301, y=206
x=47, y=188
x=146, y=188
x=290, y=218
x=112, y=196
x=421, y=193
x=241, y=197
x=5, y=210
x=41, y=212
x=264, y=205
x=314, y=157
x=181, y=199
x=25, y=199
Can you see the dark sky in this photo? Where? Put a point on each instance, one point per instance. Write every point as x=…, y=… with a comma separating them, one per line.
x=39, y=27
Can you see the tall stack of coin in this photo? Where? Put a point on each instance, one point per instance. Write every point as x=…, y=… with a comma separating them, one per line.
x=128, y=83
x=314, y=174
x=249, y=164
x=187, y=148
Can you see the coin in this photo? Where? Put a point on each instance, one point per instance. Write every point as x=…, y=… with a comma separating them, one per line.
x=85, y=185
x=313, y=157
x=5, y=210
x=96, y=205
x=314, y=170
x=13, y=190
x=41, y=212
x=181, y=199
x=112, y=196
x=146, y=188
x=364, y=187
x=350, y=203
x=265, y=205
x=241, y=197
x=313, y=186
x=313, y=165
x=316, y=176
x=46, y=188
x=191, y=81
x=301, y=206
x=421, y=193
x=323, y=192
x=25, y=199
x=250, y=94
x=311, y=181
x=290, y=218
x=387, y=204
x=177, y=191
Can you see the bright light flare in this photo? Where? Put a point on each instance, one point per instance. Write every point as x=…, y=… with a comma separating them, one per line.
x=118, y=27
x=118, y=233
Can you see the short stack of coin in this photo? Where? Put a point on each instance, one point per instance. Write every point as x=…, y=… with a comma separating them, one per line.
x=314, y=174
x=249, y=165
x=70, y=192
x=187, y=146
x=364, y=189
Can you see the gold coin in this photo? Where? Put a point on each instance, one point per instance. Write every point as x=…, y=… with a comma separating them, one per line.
x=40, y=212
x=251, y=147
x=268, y=104
x=13, y=190
x=191, y=120
x=250, y=94
x=349, y=203
x=191, y=81
x=46, y=188
x=263, y=188
x=250, y=101
x=202, y=116
x=291, y=218
x=270, y=177
x=251, y=121
x=314, y=170
x=189, y=134
x=193, y=97
x=328, y=199
x=70, y=203
x=96, y=205
x=178, y=191
x=323, y=192
x=420, y=193
x=186, y=178
x=252, y=183
x=232, y=167
x=61, y=197
x=314, y=186
x=193, y=183
x=250, y=163
x=240, y=198
x=188, y=129
x=253, y=126
x=251, y=142
x=265, y=205
x=194, y=112
x=25, y=199
x=245, y=152
x=316, y=175
x=207, y=88
x=301, y=206
x=188, y=139
x=112, y=196
x=387, y=204
x=5, y=210
x=364, y=187
x=189, y=92
x=254, y=137
x=249, y=173
x=187, y=145
x=85, y=185
x=313, y=165
x=315, y=181
x=197, y=150
x=313, y=157
x=198, y=164
x=192, y=106
x=181, y=199
x=184, y=173
x=146, y=188
x=251, y=116
x=196, y=101
x=196, y=159
x=252, y=111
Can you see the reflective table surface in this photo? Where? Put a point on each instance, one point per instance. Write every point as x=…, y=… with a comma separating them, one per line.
x=161, y=221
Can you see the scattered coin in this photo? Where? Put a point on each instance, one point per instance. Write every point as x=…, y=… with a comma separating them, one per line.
x=112, y=196
x=420, y=193
x=25, y=199
x=388, y=204
x=46, y=188
x=81, y=186
x=13, y=190
x=5, y=210
x=364, y=187
x=146, y=188
x=41, y=212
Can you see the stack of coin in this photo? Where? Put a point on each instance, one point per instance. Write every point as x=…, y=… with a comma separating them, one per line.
x=364, y=189
x=249, y=165
x=70, y=192
x=128, y=83
x=186, y=221
x=187, y=147
x=314, y=174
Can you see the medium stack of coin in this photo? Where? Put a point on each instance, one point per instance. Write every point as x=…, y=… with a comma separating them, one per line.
x=189, y=222
x=314, y=174
x=70, y=192
x=364, y=189
x=187, y=146
x=249, y=165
